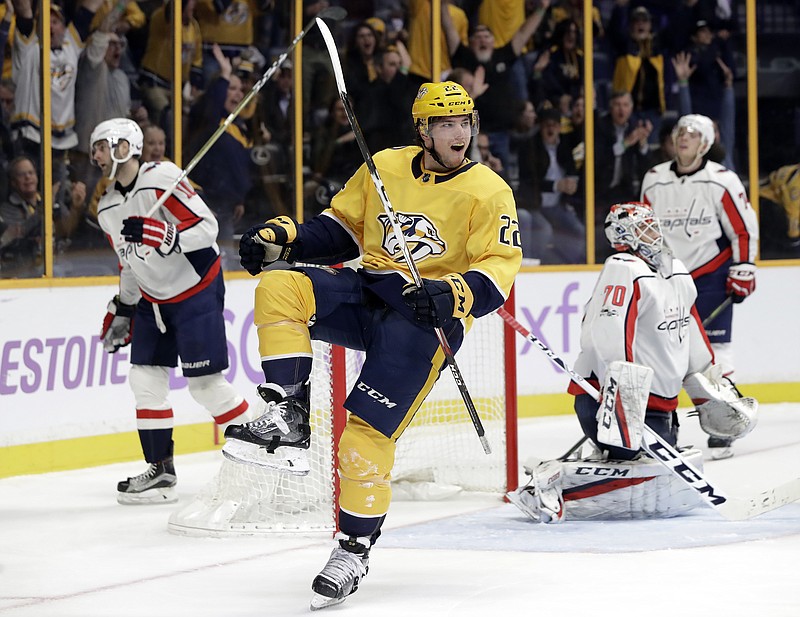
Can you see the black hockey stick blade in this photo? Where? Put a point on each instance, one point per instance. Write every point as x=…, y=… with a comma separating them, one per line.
x=336, y=13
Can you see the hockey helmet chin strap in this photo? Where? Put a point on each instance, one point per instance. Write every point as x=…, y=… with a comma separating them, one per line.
x=117, y=162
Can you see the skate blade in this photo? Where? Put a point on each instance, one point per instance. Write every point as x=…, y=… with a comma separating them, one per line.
x=718, y=454
x=148, y=497
x=318, y=602
x=286, y=460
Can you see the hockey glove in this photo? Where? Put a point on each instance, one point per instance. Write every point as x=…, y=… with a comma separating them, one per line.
x=161, y=235
x=264, y=244
x=439, y=301
x=117, y=325
x=741, y=281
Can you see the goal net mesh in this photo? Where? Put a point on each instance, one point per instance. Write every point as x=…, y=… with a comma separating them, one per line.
x=439, y=451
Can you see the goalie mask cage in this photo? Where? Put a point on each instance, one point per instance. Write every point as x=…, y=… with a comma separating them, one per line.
x=439, y=451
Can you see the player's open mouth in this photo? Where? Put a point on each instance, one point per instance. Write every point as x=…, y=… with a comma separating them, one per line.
x=457, y=147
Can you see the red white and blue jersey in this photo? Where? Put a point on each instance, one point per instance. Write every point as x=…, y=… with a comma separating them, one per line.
x=637, y=315
x=161, y=278
x=706, y=217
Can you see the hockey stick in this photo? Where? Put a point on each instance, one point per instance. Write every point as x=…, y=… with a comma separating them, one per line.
x=398, y=231
x=725, y=303
x=731, y=508
x=332, y=12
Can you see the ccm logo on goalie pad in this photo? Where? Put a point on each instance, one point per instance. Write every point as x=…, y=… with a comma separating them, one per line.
x=612, y=406
x=679, y=467
x=601, y=471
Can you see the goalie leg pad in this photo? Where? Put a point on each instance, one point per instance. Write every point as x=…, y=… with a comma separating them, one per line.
x=638, y=489
x=620, y=417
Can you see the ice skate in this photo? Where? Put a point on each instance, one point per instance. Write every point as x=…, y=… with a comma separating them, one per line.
x=347, y=565
x=541, y=499
x=277, y=439
x=720, y=448
x=156, y=485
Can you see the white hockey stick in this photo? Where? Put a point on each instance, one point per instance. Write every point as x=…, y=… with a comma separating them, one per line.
x=731, y=508
x=398, y=231
x=332, y=12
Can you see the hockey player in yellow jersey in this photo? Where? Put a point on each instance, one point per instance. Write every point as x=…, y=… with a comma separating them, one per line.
x=460, y=223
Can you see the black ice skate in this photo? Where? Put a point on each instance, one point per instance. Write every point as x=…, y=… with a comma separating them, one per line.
x=347, y=565
x=720, y=447
x=277, y=439
x=156, y=485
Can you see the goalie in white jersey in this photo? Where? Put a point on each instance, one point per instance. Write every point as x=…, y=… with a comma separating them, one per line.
x=641, y=336
x=171, y=284
x=710, y=226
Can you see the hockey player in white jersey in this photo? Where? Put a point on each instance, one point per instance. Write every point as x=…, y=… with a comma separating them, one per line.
x=709, y=224
x=641, y=337
x=171, y=285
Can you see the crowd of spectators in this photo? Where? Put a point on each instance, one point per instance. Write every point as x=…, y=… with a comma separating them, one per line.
x=521, y=60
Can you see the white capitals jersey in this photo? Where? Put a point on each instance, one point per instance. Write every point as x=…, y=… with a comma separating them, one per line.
x=185, y=271
x=705, y=216
x=26, y=67
x=637, y=315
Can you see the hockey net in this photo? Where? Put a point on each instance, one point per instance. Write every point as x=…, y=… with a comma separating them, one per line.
x=439, y=454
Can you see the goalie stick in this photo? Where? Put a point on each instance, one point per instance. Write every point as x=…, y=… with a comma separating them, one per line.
x=332, y=12
x=398, y=231
x=731, y=508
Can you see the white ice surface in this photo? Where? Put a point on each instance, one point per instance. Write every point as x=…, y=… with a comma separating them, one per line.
x=67, y=549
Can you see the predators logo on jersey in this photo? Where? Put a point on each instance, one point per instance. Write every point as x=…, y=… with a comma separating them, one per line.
x=420, y=233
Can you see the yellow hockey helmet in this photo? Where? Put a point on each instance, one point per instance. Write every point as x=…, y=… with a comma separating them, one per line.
x=446, y=98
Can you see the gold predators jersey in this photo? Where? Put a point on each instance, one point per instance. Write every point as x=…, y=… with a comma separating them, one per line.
x=783, y=187
x=457, y=222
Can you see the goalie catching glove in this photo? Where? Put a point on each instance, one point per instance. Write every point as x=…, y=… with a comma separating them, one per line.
x=161, y=235
x=439, y=301
x=264, y=244
x=722, y=411
x=117, y=325
x=741, y=281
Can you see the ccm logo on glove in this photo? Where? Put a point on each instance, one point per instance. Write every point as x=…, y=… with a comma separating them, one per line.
x=439, y=301
x=161, y=235
x=741, y=281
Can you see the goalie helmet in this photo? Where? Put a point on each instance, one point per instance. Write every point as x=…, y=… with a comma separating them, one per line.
x=113, y=131
x=695, y=123
x=634, y=227
x=447, y=98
